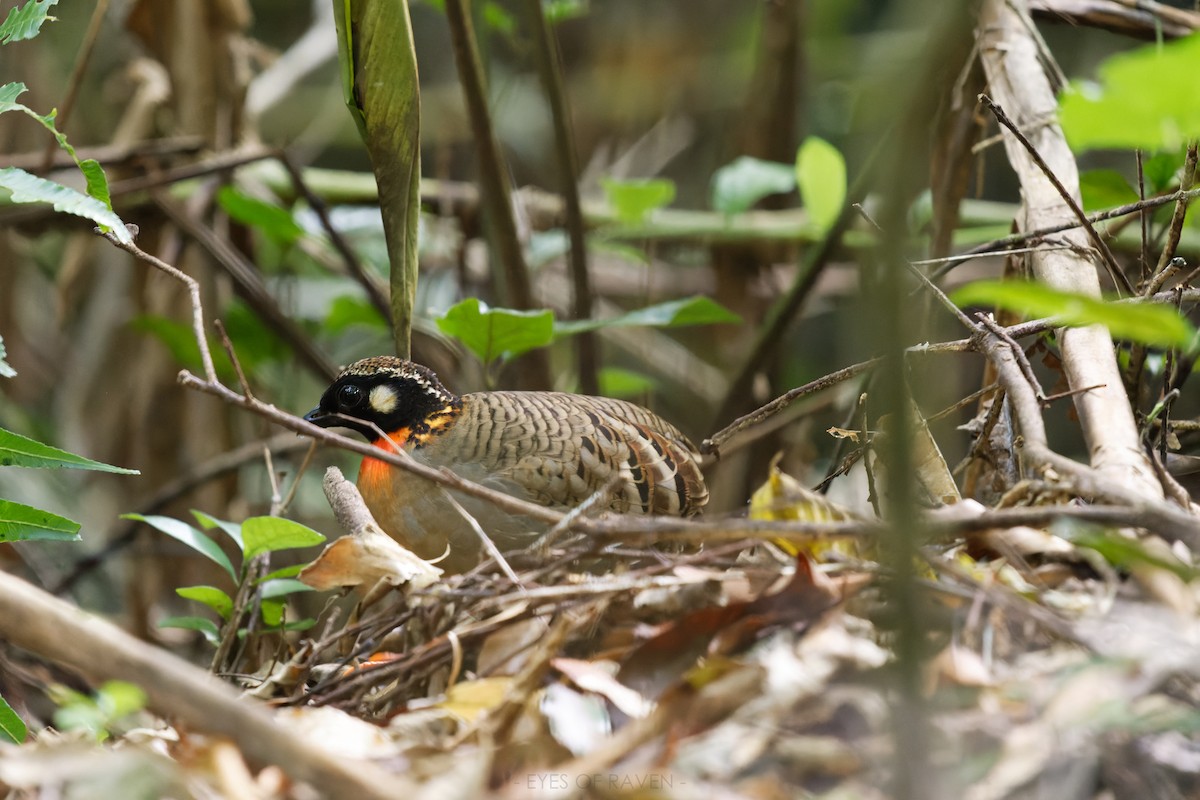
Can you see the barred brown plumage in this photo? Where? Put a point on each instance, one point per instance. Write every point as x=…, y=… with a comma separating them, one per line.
x=551, y=448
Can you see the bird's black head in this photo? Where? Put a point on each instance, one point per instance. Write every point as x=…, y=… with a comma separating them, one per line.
x=391, y=393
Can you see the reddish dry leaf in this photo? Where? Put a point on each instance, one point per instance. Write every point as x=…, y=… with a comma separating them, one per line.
x=662, y=661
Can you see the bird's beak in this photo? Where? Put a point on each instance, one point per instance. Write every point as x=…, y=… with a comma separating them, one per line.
x=319, y=417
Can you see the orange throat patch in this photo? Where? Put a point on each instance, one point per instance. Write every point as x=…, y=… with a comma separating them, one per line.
x=373, y=473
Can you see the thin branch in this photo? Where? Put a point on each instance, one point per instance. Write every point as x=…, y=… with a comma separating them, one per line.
x=1110, y=261
x=1167, y=258
x=82, y=59
x=198, y=329
x=353, y=265
x=549, y=66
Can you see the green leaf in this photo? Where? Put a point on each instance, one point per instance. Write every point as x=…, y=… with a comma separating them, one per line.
x=1148, y=97
x=26, y=188
x=120, y=699
x=182, y=532
x=233, y=529
x=22, y=523
x=210, y=596
x=624, y=383
x=24, y=22
x=697, y=310
x=20, y=451
x=557, y=11
x=1118, y=550
x=346, y=312
x=1105, y=188
x=1160, y=170
x=272, y=221
x=12, y=728
x=821, y=177
x=202, y=624
x=497, y=18
x=286, y=572
x=272, y=612
x=1147, y=323
x=492, y=333
x=6, y=371
x=632, y=200
x=736, y=187
x=269, y=534
x=281, y=587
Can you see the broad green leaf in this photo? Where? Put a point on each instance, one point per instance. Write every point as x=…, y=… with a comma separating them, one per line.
x=557, y=11
x=274, y=222
x=736, y=187
x=269, y=534
x=26, y=188
x=624, y=383
x=24, y=22
x=492, y=333
x=497, y=18
x=346, y=312
x=1105, y=188
x=1160, y=170
x=272, y=612
x=120, y=698
x=6, y=371
x=182, y=532
x=22, y=523
x=210, y=596
x=697, y=310
x=821, y=178
x=19, y=451
x=632, y=200
x=202, y=624
x=281, y=587
x=12, y=728
x=1148, y=97
x=1151, y=324
x=233, y=529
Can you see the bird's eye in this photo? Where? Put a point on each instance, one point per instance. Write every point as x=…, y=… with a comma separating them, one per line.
x=350, y=396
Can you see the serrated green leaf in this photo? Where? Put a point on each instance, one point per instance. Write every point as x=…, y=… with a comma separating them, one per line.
x=272, y=221
x=821, y=178
x=6, y=371
x=26, y=188
x=232, y=529
x=182, y=532
x=202, y=624
x=1148, y=98
x=269, y=534
x=19, y=451
x=210, y=596
x=632, y=200
x=1150, y=324
x=12, y=728
x=9, y=93
x=24, y=22
x=697, y=310
x=737, y=186
x=281, y=587
x=492, y=333
x=1105, y=188
x=22, y=523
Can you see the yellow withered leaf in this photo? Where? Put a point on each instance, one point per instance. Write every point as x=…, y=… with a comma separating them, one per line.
x=784, y=498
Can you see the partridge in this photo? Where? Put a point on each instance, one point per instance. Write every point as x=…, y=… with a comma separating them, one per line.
x=550, y=448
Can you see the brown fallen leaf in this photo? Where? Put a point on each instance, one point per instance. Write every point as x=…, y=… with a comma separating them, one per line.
x=365, y=558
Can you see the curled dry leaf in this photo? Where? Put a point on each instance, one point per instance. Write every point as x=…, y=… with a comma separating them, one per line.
x=783, y=498
x=600, y=677
x=365, y=558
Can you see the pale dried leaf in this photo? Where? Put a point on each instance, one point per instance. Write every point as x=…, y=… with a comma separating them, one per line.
x=364, y=559
x=600, y=677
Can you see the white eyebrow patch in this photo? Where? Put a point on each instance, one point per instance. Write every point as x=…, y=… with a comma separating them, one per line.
x=383, y=399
